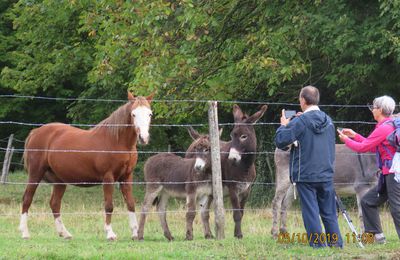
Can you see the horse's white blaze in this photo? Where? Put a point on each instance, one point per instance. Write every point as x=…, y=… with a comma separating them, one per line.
x=61, y=230
x=142, y=120
x=109, y=232
x=23, y=225
x=133, y=224
x=234, y=155
x=199, y=164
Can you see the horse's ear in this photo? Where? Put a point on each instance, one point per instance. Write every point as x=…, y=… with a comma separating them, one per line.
x=193, y=133
x=131, y=97
x=149, y=98
x=237, y=113
x=257, y=115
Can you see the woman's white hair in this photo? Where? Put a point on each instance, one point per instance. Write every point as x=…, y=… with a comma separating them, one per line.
x=385, y=103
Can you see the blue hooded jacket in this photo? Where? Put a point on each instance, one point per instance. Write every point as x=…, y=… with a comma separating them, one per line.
x=314, y=157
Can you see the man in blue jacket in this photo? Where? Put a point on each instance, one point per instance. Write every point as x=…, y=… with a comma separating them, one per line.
x=312, y=157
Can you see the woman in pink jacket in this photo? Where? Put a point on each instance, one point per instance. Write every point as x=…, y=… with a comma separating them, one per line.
x=388, y=188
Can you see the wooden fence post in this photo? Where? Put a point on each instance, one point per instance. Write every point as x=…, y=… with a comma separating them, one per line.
x=216, y=171
x=7, y=160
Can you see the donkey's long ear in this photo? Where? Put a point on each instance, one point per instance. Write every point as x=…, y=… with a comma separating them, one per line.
x=237, y=113
x=193, y=133
x=149, y=98
x=131, y=97
x=257, y=115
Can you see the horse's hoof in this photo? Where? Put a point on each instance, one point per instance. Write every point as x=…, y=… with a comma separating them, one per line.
x=170, y=238
x=26, y=237
x=112, y=238
x=135, y=238
x=189, y=238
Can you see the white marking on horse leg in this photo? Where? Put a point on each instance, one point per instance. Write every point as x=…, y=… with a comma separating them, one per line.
x=199, y=164
x=133, y=224
x=23, y=226
x=61, y=230
x=234, y=155
x=110, y=233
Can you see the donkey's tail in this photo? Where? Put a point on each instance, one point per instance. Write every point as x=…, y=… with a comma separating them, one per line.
x=156, y=201
x=26, y=150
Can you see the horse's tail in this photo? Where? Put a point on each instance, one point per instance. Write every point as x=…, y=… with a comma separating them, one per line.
x=25, y=155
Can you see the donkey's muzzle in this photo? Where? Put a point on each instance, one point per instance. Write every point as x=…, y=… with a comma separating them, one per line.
x=199, y=164
x=234, y=155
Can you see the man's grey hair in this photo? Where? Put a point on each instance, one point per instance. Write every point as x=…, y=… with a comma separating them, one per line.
x=385, y=103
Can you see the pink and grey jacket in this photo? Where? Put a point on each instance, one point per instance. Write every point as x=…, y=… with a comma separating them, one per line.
x=376, y=140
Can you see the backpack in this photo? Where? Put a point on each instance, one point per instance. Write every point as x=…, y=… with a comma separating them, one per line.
x=394, y=140
x=394, y=137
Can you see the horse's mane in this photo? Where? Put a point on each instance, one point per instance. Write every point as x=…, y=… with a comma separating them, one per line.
x=114, y=123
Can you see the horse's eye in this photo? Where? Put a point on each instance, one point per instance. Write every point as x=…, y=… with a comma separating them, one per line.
x=206, y=150
x=243, y=137
x=150, y=115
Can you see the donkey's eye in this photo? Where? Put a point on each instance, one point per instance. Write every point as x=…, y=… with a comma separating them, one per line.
x=206, y=150
x=243, y=137
x=150, y=115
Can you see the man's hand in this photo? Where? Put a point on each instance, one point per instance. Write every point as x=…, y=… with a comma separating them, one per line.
x=284, y=120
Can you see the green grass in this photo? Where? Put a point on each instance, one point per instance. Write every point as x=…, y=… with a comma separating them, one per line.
x=86, y=225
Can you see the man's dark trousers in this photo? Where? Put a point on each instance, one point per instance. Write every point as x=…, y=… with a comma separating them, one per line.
x=318, y=199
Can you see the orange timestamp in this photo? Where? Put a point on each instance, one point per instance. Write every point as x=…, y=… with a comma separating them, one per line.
x=365, y=238
x=304, y=238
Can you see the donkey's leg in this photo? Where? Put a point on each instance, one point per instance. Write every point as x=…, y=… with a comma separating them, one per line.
x=278, y=204
x=360, y=194
x=151, y=193
x=55, y=205
x=205, y=204
x=276, y=208
x=108, y=190
x=161, y=208
x=237, y=212
x=286, y=203
x=190, y=214
x=34, y=178
x=126, y=190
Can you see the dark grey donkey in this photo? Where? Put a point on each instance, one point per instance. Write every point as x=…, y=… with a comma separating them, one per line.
x=238, y=168
x=354, y=174
x=189, y=178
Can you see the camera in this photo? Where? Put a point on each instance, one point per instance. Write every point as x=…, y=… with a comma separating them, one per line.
x=289, y=114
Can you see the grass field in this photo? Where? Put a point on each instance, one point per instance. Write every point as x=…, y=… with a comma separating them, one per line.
x=83, y=217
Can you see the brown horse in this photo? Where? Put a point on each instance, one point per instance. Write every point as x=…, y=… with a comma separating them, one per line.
x=62, y=154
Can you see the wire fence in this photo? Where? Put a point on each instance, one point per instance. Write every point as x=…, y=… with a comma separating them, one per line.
x=204, y=182
x=177, y=101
